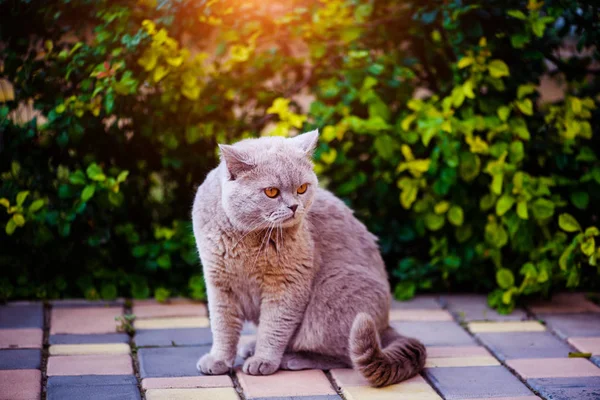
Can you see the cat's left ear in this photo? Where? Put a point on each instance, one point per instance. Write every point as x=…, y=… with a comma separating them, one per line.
x=307, y=142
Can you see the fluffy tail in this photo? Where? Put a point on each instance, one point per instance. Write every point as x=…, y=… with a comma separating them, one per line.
x=400, y=359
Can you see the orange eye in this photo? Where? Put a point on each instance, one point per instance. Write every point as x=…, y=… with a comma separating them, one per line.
x=302, y=188
x=272, y=192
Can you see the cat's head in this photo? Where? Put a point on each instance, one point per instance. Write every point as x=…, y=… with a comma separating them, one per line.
x=268, y=181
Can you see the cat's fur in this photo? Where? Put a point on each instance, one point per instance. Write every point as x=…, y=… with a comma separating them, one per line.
x=314, y=281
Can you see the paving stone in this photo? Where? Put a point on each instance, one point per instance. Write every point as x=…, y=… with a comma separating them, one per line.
x=286, y=383
x=419, y=302
x=471, y=382
x=90, y=365
x=170, y=361
x=192, y=394
x=444, y=333
x=578, y=325
x=525, y=345
x=93, y=387
x=413, y=389
x=171, y=323
x=586, y=344
x=22, y=384
x=84, y=320
x=444, y=362
x=21, y=316
x=173, y=337
x=472, y=307
x=420, y=315
x=175, y=308
x=456, y=351
x=20, y=359
x=509, y=398
x=324, y=397
x=187, y=382
x=82, y=349
x=79, y=303
x=89, y=339
x=587, y=388
x=564, y=303
x=530, y=368
x=348, y=377
x=26, y=338
x=506, y=326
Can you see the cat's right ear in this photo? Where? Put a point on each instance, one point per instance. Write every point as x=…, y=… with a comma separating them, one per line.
x=236, y=160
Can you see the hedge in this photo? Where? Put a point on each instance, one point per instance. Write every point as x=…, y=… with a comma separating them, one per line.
x=464, y=134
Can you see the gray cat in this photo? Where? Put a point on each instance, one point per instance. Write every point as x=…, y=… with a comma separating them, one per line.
x=279, y=251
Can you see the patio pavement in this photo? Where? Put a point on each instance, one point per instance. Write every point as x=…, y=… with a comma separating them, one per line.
x=71, y=350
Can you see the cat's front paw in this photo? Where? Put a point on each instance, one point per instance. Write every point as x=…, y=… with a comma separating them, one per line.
x=260, y=366
x=209, y=365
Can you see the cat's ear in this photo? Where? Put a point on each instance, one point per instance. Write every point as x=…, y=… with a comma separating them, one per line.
x=307, y=142
x=237, y=161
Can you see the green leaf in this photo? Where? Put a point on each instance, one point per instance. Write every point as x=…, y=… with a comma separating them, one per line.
x=519, y=40
x=434, y=222
x=94, y=172
x=517, y=14
x=542, y=208
x=592, y=231
x=503, y=113
x=21, y=196
x=441, y=207
x=526, y=106
x=122, y=176
x=405, y=291
x=465, y=62
x=77, y=178
x=88, y=192
x=162, y=295
x=487, y=202
x=525, y=90
x=36, y=205
x=576, y=354
x=589, y=246
x=505, y=203
x=568, y=223
x=164, y=261
x=4, y=202
x=19, y=219
x=522, y=209
x=580, y=199
x=456, y=215
x=564, y=258
x=498, y=69
x=10, y=227
x=505, y=278
x=108, y=291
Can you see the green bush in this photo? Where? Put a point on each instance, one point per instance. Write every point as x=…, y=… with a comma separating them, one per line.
x=434, y=128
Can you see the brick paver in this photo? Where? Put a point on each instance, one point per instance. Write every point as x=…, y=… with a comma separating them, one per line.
x=21, y=384
x=88, y=359
x=173, y=337
x=525, y=345
x=84, y=320
x=93, y=387
x=90, y=365
x=26, y=338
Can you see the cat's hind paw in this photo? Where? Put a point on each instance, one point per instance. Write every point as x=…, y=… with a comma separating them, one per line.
x=209, y=365
x=260, y=366
x=247, y=349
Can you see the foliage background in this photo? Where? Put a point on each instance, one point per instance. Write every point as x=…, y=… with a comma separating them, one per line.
x=464, y=134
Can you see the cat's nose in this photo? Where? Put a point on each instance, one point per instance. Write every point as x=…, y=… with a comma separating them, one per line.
x=293, y=208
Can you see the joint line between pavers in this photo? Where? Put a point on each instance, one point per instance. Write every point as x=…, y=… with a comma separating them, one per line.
x=47, y=315
x=133, y=353
x=481, y=343
x=237, y=385
x=333, y=385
